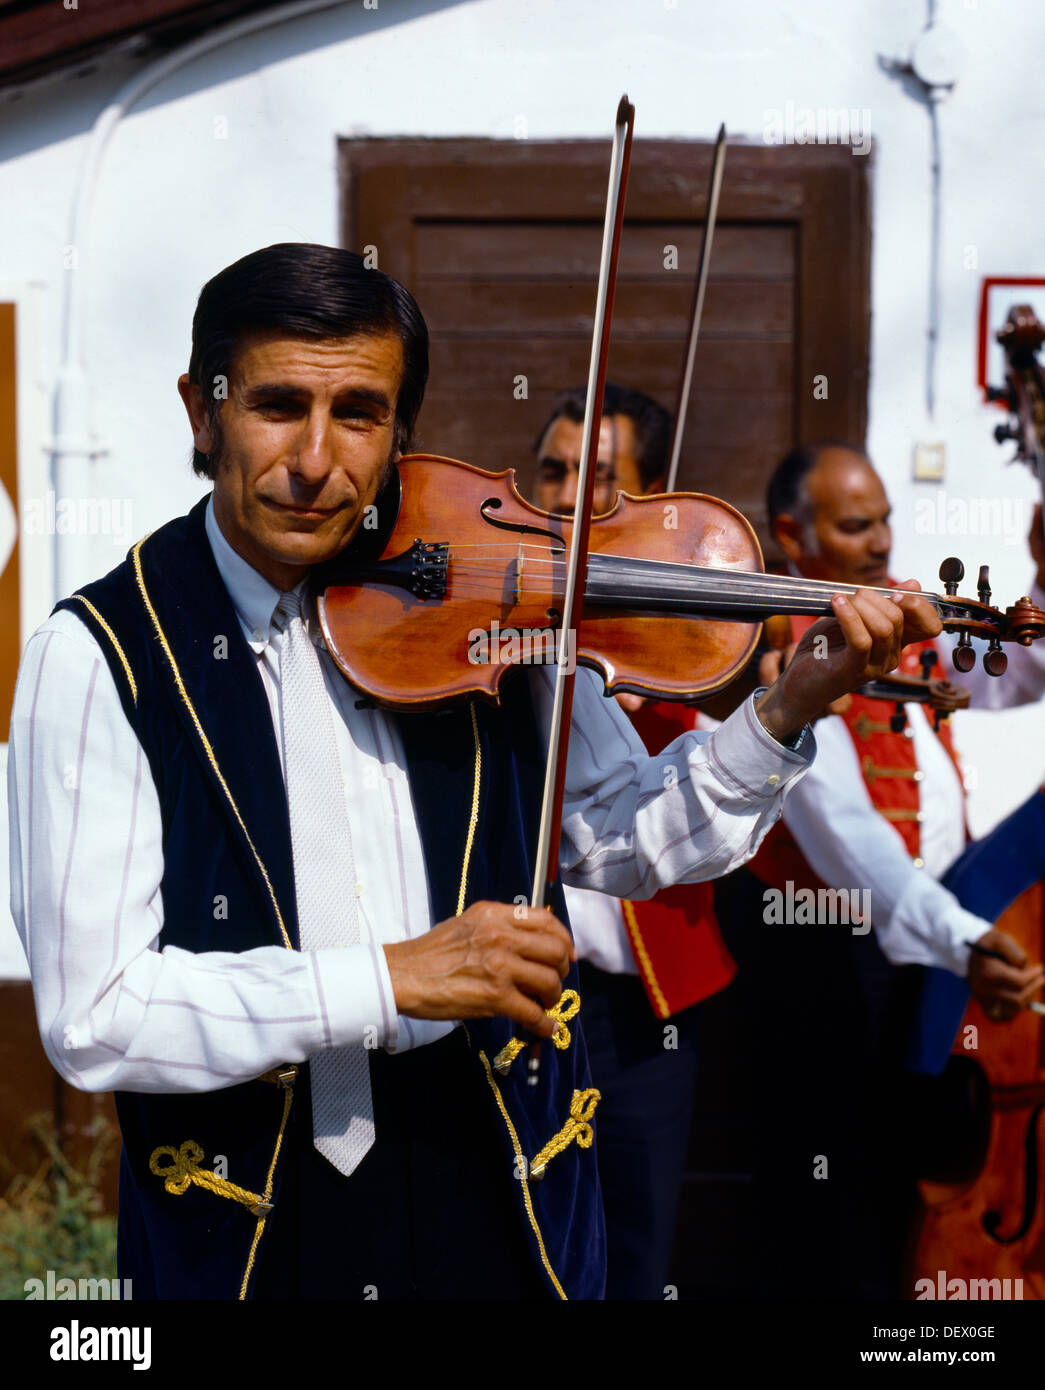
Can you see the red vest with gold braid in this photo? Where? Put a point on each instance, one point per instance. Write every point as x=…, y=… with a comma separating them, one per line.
x=890, y=771
x=675, y=937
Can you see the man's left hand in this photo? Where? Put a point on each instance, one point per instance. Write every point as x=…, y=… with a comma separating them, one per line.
x=836, y=655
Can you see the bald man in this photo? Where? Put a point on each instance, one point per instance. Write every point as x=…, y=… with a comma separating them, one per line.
x=830, y=516
x=829, y=1016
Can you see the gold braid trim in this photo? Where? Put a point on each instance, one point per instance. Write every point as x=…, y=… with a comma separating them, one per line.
x=631, y=922
x=473, y=818
x=582, y=1108
x=112, y=638
x=527, y=1199
x=180, y=1169
x=266, y=1206
x=183, y=1169
x=568, y=1007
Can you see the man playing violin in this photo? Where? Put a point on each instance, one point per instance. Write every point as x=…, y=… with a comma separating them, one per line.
x=643, y=965
x=284, y=926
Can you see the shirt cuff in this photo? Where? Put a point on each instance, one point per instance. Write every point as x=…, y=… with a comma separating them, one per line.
x=356, y=1000
x=748, y=755
x=963, y=927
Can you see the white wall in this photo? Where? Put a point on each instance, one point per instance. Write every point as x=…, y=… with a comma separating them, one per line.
x=174, y=204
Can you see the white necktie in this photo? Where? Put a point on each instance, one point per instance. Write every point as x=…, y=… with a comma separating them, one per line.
x=324, y=879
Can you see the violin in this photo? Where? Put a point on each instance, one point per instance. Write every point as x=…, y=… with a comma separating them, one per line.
x=942, y=697
x=465, y=582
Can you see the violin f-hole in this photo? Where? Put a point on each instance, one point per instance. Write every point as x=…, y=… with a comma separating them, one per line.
x=521, y=528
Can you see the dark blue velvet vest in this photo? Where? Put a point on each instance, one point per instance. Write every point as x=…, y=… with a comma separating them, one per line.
x=199, y=711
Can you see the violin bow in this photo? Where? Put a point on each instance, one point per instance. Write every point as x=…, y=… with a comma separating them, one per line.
x=718, y=165
x=550, y=832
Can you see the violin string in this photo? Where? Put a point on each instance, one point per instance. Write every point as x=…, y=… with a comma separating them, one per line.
x=775, y=582
x=786, y=586
x=814, y=605
x=743, y=583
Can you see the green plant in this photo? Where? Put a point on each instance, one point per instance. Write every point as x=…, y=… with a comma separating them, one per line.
x=54, y=1218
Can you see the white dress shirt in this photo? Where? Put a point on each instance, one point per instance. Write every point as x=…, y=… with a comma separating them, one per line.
x=118, y=1013
x=849, y=844
x=597, y=920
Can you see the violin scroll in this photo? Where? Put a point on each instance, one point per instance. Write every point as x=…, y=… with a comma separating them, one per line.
x=1023, y=622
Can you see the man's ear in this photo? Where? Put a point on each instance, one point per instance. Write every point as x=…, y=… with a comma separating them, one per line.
x=788, y=532
x=192, y=399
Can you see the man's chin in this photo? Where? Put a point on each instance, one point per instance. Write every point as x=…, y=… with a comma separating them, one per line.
x=308, y=545
x=874, y=577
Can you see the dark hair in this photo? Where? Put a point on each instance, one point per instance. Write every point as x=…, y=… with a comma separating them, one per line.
x=652, y=424
x=785, y=495
x=304, y=291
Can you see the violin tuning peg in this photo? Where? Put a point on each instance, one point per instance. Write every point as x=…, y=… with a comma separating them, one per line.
x=983, y=584
x=963, y=656
x=898, y=721
x=1003, y=433
x=928, y=660
x=952, y=572
x=994, y=659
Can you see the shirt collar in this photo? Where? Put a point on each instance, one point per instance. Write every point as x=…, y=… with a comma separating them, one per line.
x=253, y=597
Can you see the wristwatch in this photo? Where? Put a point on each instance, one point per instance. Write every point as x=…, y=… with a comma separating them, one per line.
x=793, y=744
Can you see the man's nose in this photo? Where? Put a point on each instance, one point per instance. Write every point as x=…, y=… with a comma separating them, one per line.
x=314, y=455
x=881, y=540
x=568, y=496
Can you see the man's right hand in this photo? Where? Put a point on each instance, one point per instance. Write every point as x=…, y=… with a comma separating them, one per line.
x=1003, y=987
x=494, y=961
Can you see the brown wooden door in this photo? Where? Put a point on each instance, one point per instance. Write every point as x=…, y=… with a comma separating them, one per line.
x=499, y=242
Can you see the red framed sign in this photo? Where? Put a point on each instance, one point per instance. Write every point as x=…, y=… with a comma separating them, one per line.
x=998, y=293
